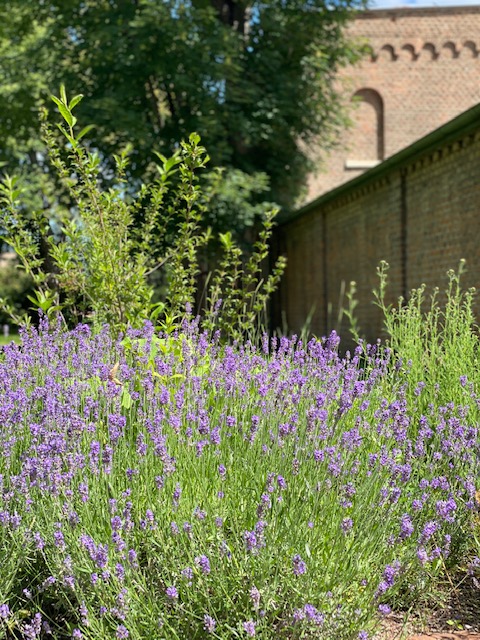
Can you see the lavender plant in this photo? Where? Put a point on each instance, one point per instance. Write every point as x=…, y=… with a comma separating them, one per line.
x=281, y=491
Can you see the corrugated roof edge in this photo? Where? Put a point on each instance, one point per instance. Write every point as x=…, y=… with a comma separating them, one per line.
x=461, y=125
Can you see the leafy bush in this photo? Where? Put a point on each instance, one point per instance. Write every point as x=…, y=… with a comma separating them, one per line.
x=94, y=265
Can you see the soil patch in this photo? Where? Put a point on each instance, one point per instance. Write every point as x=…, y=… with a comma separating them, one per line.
x=458, y=618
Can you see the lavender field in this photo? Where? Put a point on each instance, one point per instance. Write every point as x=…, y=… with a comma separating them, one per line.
x=198, y=490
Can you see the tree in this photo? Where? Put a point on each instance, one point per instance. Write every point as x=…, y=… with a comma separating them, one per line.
x=256, y=79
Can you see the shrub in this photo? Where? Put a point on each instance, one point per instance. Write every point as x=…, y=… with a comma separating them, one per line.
x=95, y=265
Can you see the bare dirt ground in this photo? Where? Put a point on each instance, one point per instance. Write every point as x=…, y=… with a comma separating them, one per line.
x=456, y=619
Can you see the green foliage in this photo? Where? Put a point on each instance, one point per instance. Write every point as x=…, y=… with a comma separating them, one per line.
x=15, y=286
x=437, y=339
x=92, y=262
x=235, y=200
x=239, y=294
x=257, y=79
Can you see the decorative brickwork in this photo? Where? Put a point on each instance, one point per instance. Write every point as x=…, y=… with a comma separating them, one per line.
x=419, y=210
x=422, y=71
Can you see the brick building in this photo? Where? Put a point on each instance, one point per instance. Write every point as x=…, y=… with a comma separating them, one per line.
x=422, y=71
x=419, y=210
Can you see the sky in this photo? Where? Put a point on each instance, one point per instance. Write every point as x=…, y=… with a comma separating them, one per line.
x=387, y=4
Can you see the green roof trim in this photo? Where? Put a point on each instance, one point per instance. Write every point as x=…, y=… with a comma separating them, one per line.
x=462, y=125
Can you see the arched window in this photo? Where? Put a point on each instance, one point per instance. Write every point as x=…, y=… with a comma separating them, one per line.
x=367, y=145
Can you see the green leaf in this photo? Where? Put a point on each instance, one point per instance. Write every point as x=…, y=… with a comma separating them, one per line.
x=63, y=94
x=66, y=115
x=75, y=100
x=84, y=131
x=126, y=399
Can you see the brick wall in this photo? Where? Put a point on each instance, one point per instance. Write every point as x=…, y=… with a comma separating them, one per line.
x=424, y=67
x=419, y=211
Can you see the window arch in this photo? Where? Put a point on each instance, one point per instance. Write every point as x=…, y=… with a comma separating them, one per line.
x=451, y=48
x=430, y=51
x=470, y=47
x=367, y=135
x=410, y=52
x=387, y=52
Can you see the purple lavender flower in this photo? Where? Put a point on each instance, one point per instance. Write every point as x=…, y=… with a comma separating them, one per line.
x=59, y=540
x=313, y=614
x=101, y=555
x=199, y=514
x=132, y=558
x=172, y=593
x=298, y=615
x=428, y=530
x=406, y=527
x=215, y=437
x=176, y=495
x=250, y=540
x=422, y=555
x=120, y=571
x=83, y=613
x=4, y=611
x=187, y=573
x=121, y=632
x=203, y=563
x=255, y=596
x=299, y=566
x=32, y=630
x=264, y=505
x=48, y=582
x=446, y=509
x=39, y=541
x=83, y=491
x=347, y=525
x=209, y=623
x=69, y=581
x=389, y=574
x=249, y=628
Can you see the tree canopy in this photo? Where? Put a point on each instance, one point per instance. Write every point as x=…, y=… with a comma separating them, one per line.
x=255, y=79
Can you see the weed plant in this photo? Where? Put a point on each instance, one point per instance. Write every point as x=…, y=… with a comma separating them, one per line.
x=436, y=336
x=198, y=490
